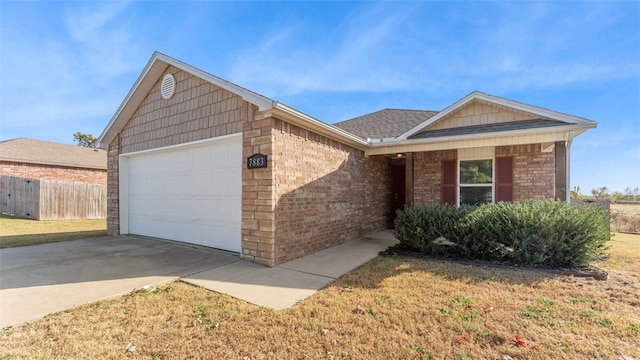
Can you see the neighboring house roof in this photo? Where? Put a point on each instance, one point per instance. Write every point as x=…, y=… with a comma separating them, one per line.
x=31, y=151
x=386, y=123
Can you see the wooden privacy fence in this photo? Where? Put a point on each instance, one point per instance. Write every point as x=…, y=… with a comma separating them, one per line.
x=52, y=199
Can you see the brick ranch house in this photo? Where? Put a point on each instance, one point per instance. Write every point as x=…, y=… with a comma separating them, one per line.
x=186, y=161
x=44, y=160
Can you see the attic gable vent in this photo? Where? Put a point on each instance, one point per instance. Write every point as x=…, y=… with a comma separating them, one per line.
x=168, y=86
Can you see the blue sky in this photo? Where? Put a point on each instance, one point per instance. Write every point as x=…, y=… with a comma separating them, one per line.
x=67, y=66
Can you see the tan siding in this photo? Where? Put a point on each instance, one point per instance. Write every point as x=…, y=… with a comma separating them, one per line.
x=198, y=110
x=479, y=112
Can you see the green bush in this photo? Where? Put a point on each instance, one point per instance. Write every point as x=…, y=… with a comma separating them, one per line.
x=418, y=227
x=537, y=232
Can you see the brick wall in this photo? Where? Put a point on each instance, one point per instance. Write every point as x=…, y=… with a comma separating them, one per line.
x=54, y=172
x=427, y=175
x=325, y=192
x=533, y=171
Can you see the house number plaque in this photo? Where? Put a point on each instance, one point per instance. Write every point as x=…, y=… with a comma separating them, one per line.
x=257, y=161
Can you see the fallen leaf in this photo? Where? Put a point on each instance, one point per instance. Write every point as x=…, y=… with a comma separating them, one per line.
x=486, y=309
x=334, y=342
x=8, y=327
x=360, y=309
x=130, y=348
x=461, y=340
x=534, y=347
x=517, y=341
x=324, y=331
x=506, y=357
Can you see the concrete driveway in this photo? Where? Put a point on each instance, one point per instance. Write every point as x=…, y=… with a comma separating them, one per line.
x=43, y=279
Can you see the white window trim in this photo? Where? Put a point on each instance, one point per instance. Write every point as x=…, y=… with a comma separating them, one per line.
x=485, y=153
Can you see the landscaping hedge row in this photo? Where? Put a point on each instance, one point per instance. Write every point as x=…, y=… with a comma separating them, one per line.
x=549, y=233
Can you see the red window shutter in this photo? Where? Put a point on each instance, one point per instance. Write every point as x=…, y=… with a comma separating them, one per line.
x=449, y=181
x=504, y=178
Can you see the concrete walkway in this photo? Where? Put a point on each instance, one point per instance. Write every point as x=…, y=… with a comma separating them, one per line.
x=39, y=280
x=285, y=285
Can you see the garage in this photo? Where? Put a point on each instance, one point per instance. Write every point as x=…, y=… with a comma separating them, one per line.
x=190, y=193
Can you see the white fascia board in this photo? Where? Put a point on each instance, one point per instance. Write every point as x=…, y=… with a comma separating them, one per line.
x=130, y=102
x=499, y=101
x=303, y=120
x=516, y=137
x=571, y=119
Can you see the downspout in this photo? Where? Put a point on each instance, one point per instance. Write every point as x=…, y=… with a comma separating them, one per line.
x=568, y=142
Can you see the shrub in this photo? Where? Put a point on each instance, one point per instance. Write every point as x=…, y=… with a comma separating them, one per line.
x=418, y=227
x=535, y=232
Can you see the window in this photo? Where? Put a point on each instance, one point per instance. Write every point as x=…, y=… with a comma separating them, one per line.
x=477, y=177
x=476, y=181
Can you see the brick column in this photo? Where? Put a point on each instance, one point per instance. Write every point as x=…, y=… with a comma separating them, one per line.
x=113, y=187
x=258, y=205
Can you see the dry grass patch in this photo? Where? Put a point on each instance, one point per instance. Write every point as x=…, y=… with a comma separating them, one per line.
x=390, y=308
x=623, y=254
x=625, y=217
x=24, y=232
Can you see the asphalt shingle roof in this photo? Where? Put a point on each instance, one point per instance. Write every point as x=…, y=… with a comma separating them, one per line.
x=33, y=151
x=488, y=128
x=387, y=123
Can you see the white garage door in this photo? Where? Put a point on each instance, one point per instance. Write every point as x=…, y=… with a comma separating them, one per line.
x=189, y=193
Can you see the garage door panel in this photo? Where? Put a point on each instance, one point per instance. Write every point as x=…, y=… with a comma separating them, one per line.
x=190, y=194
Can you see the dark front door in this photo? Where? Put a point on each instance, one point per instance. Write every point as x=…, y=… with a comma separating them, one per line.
x=398, y=176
